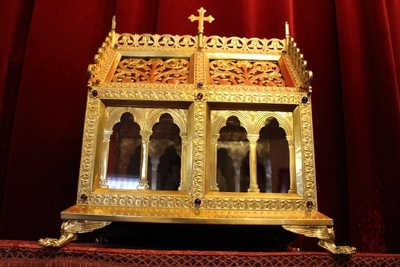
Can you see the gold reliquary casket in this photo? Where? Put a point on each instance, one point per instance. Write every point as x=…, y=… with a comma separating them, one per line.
x=198, y=130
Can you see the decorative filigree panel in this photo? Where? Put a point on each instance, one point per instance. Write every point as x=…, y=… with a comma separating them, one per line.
x=300, y=65
x=254, y=204
x=139, y=201
x=244, y=72
x=88, y=147
x=210, y=42
x=308, y=156
x=147, y=94
x=244, y=44
x=253, y=97
x=153, y=70
x=199, y=149
x=165, y=40
x=102, y=60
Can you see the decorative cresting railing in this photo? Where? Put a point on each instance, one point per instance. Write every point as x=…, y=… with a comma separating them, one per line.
x=210, y=42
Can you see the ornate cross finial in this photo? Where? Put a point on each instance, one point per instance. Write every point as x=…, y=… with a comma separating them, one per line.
x=201, y=19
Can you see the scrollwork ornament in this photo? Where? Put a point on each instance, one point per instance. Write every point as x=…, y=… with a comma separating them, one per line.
x=254, y=204
x=154, y=70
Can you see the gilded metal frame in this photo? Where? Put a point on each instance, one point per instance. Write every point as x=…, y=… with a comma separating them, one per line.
x=199, y=109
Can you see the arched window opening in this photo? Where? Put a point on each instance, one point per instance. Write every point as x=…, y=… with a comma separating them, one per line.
x=273, y=149
x=165, y=153
x=123, y=170
x=233, y=147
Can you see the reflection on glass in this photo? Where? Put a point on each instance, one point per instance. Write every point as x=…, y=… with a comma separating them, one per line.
x=124, y=154
x=169, y=170
x=245, y=174
x=233, y=168
x=232, y=148
x=225, y=171
x=165, y=152
x=274, y=151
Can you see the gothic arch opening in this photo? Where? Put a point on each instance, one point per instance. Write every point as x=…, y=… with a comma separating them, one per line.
x=273, y=149
x=232, y=148
x=123, y=170
x=165, y=153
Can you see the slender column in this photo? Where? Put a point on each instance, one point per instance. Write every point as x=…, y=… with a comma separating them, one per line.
x=253, y=162
x=104, y=159
x=214, y=170
x=182, y=185
x=292, y=169
x=154, y=165
x=143, y=184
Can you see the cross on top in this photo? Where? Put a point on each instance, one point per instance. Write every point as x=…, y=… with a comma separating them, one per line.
x=201, y=19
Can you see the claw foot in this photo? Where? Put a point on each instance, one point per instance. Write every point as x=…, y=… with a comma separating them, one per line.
x=69, y=231
x=325, y=235
x=57, y=243
x=332, y=248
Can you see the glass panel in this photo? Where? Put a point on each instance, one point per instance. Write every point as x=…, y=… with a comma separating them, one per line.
x=165, y=152
x=233, y=168
x=245, y=174
x=273, y=151
x=124, y=154
x=233, y=147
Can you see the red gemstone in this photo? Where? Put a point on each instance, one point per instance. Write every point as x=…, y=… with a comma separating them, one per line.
x=84, y=197
x=199, y=96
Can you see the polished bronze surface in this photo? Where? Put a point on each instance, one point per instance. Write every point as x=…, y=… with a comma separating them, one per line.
x=211, y=130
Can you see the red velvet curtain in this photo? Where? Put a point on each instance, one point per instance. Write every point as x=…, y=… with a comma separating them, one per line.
x=351, y=46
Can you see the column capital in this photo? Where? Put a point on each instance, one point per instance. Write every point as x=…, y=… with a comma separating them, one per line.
x=145, y=135
x=253, y=138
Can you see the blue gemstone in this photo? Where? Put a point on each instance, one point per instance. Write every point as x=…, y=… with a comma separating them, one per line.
x=199, y=84
x=197, y=202
x=304, y=100
x=95, y=93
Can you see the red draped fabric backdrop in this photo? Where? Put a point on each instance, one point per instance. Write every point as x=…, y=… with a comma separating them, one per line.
x=352, y=47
